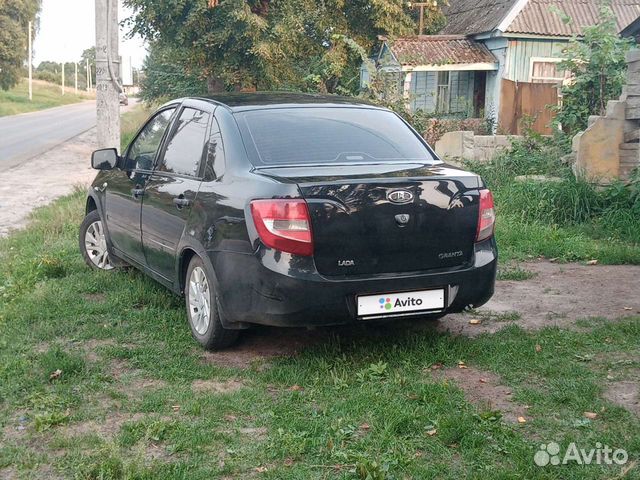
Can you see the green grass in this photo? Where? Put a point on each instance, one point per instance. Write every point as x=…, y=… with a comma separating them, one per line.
x=366, y=402
x=45, y=95
x=567, y=219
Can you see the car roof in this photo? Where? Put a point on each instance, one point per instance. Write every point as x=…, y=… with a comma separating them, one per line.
x=237, y=102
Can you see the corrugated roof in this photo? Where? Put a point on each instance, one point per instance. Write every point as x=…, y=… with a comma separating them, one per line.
x=540, y=17
x=469, y=17
x=439, y=50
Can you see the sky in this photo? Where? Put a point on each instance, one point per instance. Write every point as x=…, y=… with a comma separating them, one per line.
x=67, y=27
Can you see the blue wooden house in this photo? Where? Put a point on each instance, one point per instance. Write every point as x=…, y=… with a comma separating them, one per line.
x=487, y=47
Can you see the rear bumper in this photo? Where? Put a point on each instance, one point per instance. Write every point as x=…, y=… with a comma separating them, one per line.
x=282, y=290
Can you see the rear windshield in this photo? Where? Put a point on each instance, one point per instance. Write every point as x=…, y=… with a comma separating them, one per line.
x=291, y=136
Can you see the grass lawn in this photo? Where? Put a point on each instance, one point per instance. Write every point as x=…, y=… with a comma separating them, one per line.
x=99, y=379
x=45, y=95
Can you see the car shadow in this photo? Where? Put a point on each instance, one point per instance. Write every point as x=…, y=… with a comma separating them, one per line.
x=259, y=344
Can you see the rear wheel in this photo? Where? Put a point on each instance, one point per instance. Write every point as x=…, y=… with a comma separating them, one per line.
x=93, y=242
x=202, y=309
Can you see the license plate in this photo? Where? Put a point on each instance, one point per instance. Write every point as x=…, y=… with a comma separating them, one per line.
x=393, y=303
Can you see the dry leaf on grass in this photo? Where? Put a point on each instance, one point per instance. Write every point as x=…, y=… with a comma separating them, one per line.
x=522, y=420
x=296, y=388
x=475, y=321
x=55, y=375
x=461, y=364
x=261, y=469
x=592, y=262
x=175, y=408
x=365, y=426
x=590, y=415
x=431, y=433
x=538, y=347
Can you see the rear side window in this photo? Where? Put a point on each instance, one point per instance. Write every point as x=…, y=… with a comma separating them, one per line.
x=329, y=135
x=187, y=146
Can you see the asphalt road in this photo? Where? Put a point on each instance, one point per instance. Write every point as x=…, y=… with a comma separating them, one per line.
x=24, y=136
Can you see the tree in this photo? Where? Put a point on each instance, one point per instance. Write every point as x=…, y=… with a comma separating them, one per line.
x=270, y=44
x=15, y=16
x=597, y=66
x=164, y=76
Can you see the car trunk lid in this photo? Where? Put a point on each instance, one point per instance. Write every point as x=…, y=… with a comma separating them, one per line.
x=387, y=218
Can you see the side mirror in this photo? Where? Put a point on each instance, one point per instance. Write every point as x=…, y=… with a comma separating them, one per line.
x=104, y=159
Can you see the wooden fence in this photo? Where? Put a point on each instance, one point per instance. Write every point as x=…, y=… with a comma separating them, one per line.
x=520, y=99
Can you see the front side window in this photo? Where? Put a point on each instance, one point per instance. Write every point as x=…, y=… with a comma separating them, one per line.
x=187, y=146
x=316, y=135
x=143, y=150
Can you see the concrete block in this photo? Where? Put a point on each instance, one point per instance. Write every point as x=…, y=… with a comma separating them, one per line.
x=633, y=113
x=632, y=90
x=598, y=153
x=616, y=109
x=632, y=136
x=633, y=55
x=630, y=147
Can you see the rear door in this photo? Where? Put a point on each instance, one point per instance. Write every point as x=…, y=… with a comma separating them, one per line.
x=173, y=186
x=125, y=187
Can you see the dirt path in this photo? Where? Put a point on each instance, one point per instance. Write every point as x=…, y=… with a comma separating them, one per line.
x=558, y=295
x=45, y=178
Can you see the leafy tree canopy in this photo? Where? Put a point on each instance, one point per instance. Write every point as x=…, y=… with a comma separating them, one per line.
x=15, y=16
x=270, y=44
x=596, y=62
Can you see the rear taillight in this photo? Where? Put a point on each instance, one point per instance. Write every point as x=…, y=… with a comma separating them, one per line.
x=284, y=225
x=486, y=216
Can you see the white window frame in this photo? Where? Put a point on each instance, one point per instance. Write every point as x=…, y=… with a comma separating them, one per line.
x=533, y=60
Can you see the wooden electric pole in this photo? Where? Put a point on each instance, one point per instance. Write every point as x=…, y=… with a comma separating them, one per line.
x=62, y=86
x=107, y=71
x=420, y=5
x=88, y=76
x=76, y=77
x=30, y=66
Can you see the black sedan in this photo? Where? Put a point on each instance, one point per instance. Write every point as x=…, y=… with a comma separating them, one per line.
x=291, y=210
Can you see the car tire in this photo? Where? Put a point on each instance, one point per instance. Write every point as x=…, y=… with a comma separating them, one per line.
x=93, y=243
x=203, y=311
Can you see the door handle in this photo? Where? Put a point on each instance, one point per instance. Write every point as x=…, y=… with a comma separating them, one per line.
x=137, y=192
x=181, y=202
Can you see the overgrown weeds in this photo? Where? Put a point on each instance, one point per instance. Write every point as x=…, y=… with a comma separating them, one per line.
x=536, y=191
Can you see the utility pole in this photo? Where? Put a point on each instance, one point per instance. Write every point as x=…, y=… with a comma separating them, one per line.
x=107, y=70
x=62, y=86
x=30, y=67
x=420, y=5
x=76, y=77
x=88, y=76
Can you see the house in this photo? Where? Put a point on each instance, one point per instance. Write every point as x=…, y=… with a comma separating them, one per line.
x=632, y=30
x=498, y=58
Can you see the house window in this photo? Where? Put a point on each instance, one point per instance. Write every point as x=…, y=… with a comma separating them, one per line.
x=442, y=93
x=545, y=70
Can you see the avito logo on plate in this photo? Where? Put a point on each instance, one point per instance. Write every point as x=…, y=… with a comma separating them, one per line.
x=393, y=303
x=389, y=303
